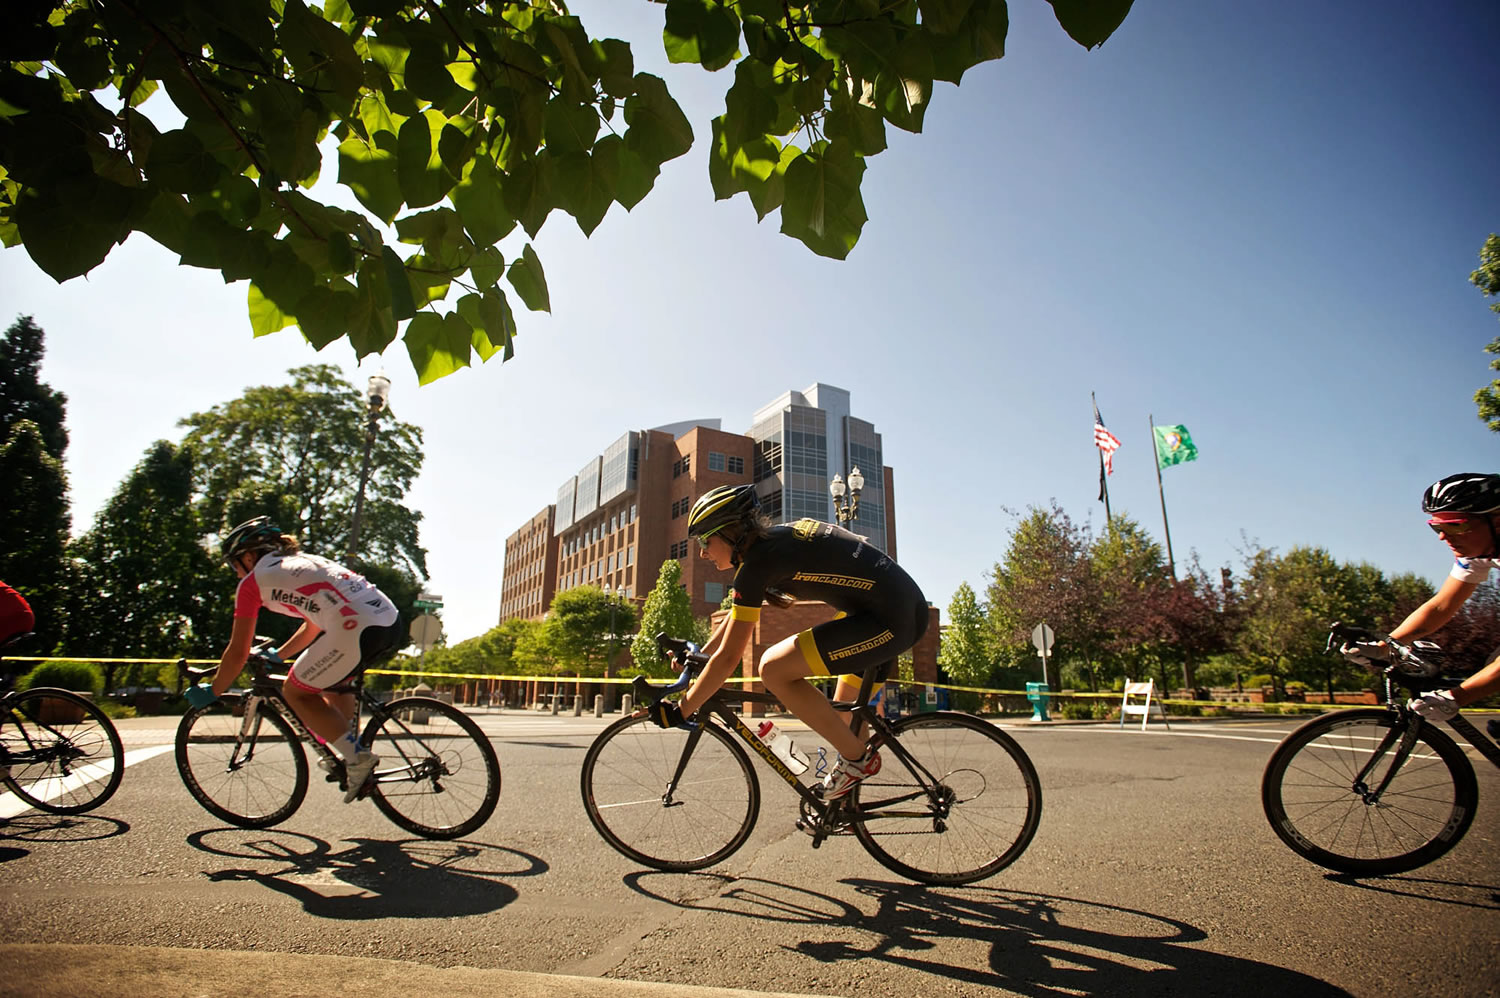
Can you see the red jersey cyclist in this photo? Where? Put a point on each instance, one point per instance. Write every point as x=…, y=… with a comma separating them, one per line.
x=882, y=613
x=346, y=623
x=1464, y=510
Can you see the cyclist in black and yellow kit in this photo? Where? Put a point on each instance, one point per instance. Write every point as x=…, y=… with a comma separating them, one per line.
x=882, y=613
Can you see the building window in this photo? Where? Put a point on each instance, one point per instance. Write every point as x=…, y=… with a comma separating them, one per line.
x=713, y=592
x=715, y=461
x=736, y=466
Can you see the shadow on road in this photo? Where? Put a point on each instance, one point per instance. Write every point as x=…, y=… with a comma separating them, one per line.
x=39, y=827
x=1484, y=896
x=374, y=878
x=1039, y=944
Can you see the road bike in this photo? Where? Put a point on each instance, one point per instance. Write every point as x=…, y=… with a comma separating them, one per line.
x=956, y=799
x=1377, y=790
x=242, y=756
x=58, y=751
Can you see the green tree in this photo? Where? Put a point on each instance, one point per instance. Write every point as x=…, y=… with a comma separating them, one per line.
x=294, y=452
x=34, y=529
x=587, y=626
x=1487, y=280
x=456, y=123
x=964, y=653
x=669, y=609
x=146, y=586
x=23, y=395
x=1046, y=576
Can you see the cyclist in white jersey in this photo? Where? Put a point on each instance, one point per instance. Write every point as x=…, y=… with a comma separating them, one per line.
x=1464, y=510
x=346, y=622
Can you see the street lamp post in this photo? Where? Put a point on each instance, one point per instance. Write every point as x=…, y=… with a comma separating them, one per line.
x=613, y=647
x=846, y=497
x=377, y=397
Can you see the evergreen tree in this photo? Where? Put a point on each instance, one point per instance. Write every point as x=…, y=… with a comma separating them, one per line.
x=34, y=529
x=668, y=609
x=22, y=393
x=965, y=654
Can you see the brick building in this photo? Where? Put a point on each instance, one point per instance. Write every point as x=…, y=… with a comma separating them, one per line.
x=625, y=512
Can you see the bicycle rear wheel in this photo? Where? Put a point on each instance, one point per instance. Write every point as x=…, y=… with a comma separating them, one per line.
x=1318, y=806
x=438, y=775
x=63, y=753
x=709, y=814
x=964, y=807
x=253, y=774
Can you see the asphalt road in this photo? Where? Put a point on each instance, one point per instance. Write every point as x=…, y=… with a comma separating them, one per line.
x=1153, y=873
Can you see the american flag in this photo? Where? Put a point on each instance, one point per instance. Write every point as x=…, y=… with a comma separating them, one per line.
x=1105, y=441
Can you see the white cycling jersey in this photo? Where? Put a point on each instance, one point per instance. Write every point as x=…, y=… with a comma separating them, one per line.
x=1474, y=570
x=328, y=595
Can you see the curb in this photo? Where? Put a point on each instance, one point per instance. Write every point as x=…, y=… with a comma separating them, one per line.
x=65, y=970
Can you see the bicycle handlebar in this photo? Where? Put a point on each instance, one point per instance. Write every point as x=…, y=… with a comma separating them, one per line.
x=683, y=652
x=1416, y=666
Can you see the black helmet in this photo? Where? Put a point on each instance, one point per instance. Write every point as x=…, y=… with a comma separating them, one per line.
x=258, y=532
x=725, y=506
x=1470, y=492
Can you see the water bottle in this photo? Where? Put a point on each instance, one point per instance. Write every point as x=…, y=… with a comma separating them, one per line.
x=781, y=743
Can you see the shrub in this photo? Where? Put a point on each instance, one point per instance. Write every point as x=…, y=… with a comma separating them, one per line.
x=80, y=677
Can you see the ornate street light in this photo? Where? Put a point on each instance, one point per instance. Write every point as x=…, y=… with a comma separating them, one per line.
x=846, y=496
x=377, y=398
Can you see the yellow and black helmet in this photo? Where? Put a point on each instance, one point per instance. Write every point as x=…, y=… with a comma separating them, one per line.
x=725, y=506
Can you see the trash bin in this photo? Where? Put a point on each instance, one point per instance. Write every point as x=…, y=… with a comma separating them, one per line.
x=1037, y=694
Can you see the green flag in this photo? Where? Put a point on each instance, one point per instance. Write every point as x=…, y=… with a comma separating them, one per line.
x=1173, y=445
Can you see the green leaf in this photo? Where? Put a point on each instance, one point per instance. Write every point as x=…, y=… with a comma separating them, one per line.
x=457, y=142
x=372, y=327
x=402, y=304
x=980, y=39
x=568, y=126
x=322, y=55
x=180, y=164
x=493, y=323
x=944, y=16
x=904, y=86
x=584, y=185
x=370, y=172
x=265, y=317
x=616, y=67
x=69, y=229
x=437, y=344
x=481, y=203
x=487, y=267
x=745, y=167
x=528, y=192
x=633, y=178
x=1090, y=22
x=701, y=31
x=323, y=315
x=823, y=207
x=658, y=130
x=419, y=167
x=526, y=277
x=858, y=124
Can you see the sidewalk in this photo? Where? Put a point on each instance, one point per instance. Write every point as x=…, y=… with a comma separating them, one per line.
x=72, y=971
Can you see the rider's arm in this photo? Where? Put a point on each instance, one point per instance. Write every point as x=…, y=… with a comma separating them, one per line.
x=297, y=643
x=724, y=660
x=1485, y=682
x=716, y=637
x=1436, y=612
x=233, y=660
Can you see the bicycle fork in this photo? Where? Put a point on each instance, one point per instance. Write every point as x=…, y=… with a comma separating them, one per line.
x=1407, y=733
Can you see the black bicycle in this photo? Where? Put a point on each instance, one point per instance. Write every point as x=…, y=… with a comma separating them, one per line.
x=241, y=757
x=58, y=751
x=956, y=800
x=1376, y=790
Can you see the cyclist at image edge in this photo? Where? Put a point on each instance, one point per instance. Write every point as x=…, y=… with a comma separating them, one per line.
x=882, y=613
x=15, y=614
x=1465, y=511
x=346, y=621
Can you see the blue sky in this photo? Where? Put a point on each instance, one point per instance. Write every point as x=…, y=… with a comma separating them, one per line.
x=1256, y=220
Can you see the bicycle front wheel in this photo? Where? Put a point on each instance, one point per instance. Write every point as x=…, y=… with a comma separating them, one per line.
x=249, y=773
x=671, y=799
x=63, y=753
x=438, y=775
x=1324, y=809
x=965, y=804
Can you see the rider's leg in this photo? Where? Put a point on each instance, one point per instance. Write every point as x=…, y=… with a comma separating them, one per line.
x=323, y=718
x=783, y=669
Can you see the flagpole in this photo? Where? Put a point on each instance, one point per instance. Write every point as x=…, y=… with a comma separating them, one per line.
x=1103, y=483
x=1172, y=565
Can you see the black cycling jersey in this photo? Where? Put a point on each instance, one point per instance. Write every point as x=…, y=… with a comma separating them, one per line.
x=884, y=611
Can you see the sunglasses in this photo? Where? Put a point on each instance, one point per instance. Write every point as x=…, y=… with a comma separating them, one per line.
x=1452, y=528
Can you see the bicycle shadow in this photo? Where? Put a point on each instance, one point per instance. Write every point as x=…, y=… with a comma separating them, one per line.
x=1038, y=944
x=39, y=827
x=1391, y=885
x=374, y=878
